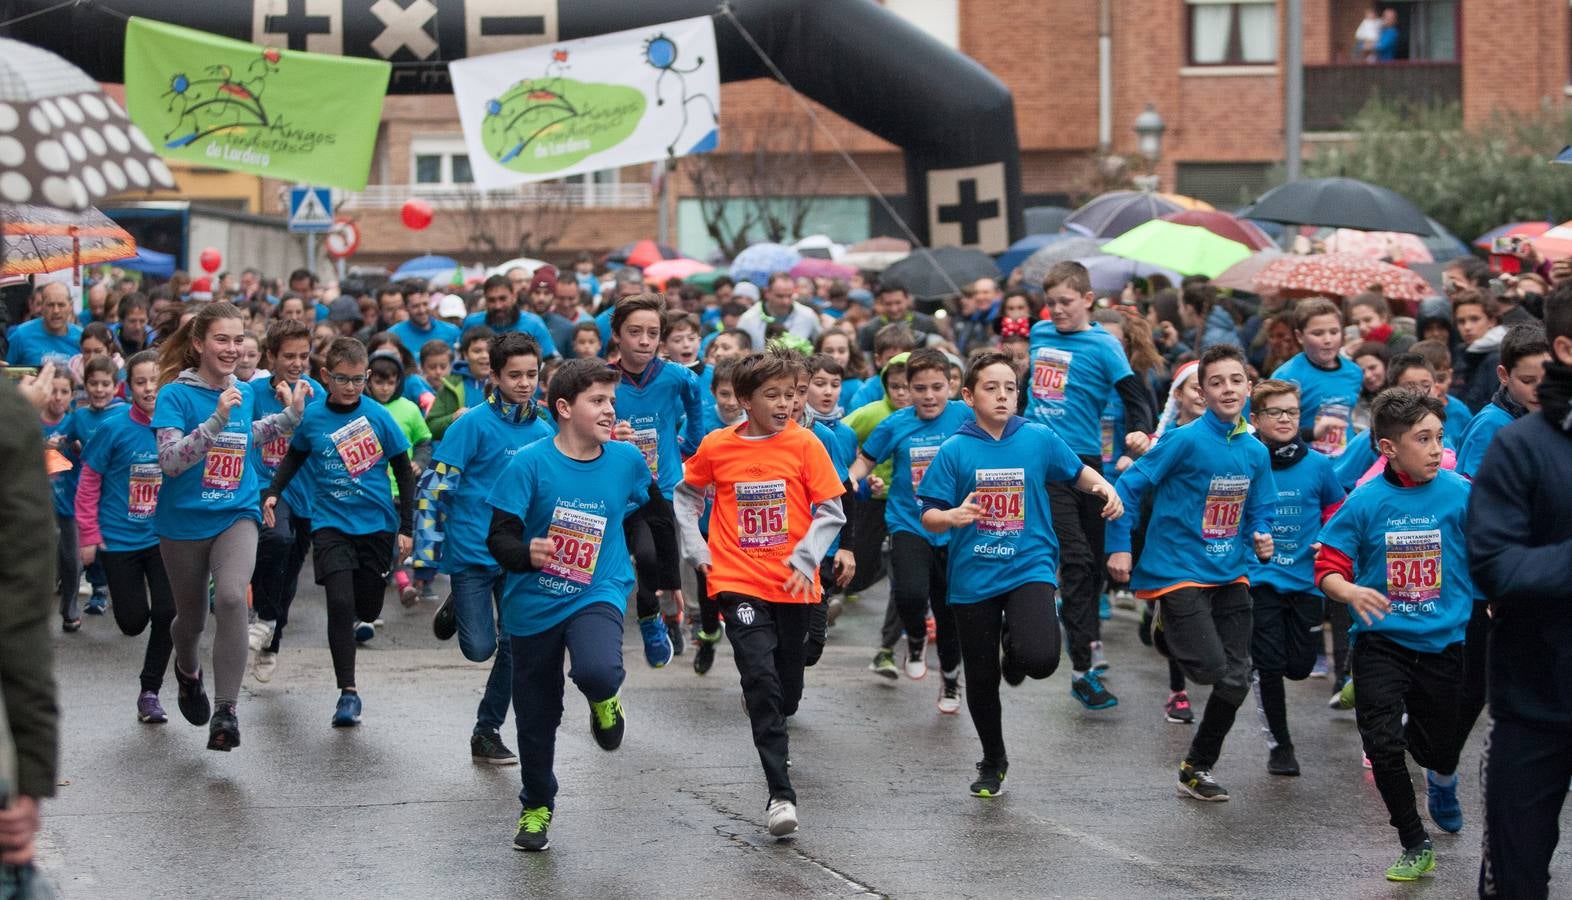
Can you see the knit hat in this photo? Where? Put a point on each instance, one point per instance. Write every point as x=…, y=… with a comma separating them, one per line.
x=344, y=309
x=746, y=289
x=544, y=277
x=1171, y=409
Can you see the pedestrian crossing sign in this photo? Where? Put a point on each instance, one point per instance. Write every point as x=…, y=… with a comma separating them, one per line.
x=310, y=209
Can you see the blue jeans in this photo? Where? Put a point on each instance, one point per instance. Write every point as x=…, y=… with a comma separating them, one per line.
x=477, y=594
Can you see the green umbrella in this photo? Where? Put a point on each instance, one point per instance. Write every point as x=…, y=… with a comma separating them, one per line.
x=1187, y=249
x=704, y=281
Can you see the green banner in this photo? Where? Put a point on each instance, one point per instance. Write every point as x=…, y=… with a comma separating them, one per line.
x=213, y=101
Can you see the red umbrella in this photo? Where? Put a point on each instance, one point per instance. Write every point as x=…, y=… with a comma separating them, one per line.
x=812, y=267
x=1224, y=225
x=664, y=270
x=1342, y=275
x=642, y=253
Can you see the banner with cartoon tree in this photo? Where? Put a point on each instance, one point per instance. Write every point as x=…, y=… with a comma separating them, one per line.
x=595, y=103
x=214, y=101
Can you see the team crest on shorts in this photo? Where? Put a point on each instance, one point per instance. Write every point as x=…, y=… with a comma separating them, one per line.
x=745, y=614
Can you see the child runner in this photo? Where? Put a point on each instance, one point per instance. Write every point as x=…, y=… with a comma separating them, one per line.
x=1439, y=355
x=1077, y=367
x=553, y=528
x=453, y=518
x=386, y=384
x=730, y=414
x=100, y=380
x=1212, y=485
x=55, y=417
x=821, y=406
x=1524, y=352
x=1328, y=382
x=870, y=527
x=1395, y=554
x=1287, y=608
x=346, y=447
x=989, y=484
x=465, y=388
x=115, y=501
x=436, y=363
x=206, y=424
x=777, y=508
x=918, y=558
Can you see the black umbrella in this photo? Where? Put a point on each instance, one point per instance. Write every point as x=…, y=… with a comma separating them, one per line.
x=1340, y=203
x=1045, y=219
x=1112, y=214
x=937, y=274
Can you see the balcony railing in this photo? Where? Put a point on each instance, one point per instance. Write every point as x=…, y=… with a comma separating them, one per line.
x=1335, y=93
x=632, y=195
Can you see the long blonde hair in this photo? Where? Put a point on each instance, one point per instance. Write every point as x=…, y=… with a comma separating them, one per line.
x=178, y=352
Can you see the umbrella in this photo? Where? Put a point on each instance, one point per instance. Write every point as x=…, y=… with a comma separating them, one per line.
x=1396, y=246
x=1022, y=249
x=1443, y=244
x=1340, y=203
x=63, y=141
x=705, y=281
x=1036, y=267
x=1523, y=229
x=1556, y=243
x=526, y=263
x=758, y=262
x=430, y=268
x=641, y=254
x=1111, y=273
x=1224, y=225
x=941, y=273
x=1342, y=275
x=819, y=246
x=1241, y=275
x=1188, y=203
x=1116, y=212
x=881, y=245
x=874, y=260
x=816, y=267
x=664, y=270
x=1189, y=249
x=1045, y=219
x=150, y=262
x=39, y=239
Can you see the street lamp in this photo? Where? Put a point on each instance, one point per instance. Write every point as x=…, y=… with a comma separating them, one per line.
x=1149, y=128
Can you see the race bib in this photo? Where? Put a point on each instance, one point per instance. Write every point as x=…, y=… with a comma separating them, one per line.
x=1050, y=373
x=1413, y=569
x=576, y=537
x=1108, y=439
x=761, y=514
x=1002, y=495
x=921, y=458
x=648, y=442
x=274, y=451
x=1224, y=506
x=142, y=494
x=225, y=462
x=357, y=446
x=1335, y=440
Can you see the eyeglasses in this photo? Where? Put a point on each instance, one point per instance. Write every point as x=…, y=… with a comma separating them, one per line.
x=1278, y=413
x=346, y=380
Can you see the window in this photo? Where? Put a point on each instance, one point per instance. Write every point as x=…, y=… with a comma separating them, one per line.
x=428, y=169
x=1226, y=33
x=599, y=186
x=1426, y=30
x=440, y=162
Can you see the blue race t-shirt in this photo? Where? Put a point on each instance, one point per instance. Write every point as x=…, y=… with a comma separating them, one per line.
x=84, y=421
x=346, y=466
x=849, y=388
x=480, y=445
x=266, y=457
x=32, y=345
x=1303, y=490
x=1331, y=393
x=1113, y=430
x=527, y=322
x=62, y=487
x=580, y=506
x=841, y=443
x=1072, y=377
x=1013, y=543
x=222, y=487
x=414, y=337
x=1476, y=437
x=125, y=453
x=913, y=443
x=1410, y=544
x=664, y=397
x=870, y=391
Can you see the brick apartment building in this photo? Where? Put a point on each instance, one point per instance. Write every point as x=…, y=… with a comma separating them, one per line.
x=1211, y=68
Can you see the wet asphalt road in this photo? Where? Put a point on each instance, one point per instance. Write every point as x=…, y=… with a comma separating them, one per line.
x=395, y=808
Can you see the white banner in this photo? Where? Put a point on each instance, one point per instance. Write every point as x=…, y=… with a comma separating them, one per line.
x=595, y=103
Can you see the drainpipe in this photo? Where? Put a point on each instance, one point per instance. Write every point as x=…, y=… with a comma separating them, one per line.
x=1294, y=90
x=1105, y=75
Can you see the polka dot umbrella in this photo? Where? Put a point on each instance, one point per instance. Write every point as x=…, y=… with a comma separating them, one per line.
x=1341, y=275
x=63, y=141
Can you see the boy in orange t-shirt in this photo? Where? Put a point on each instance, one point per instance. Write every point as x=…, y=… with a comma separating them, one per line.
x=777, y=508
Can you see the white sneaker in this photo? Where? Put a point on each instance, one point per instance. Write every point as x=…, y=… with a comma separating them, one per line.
x=1099, y=658
x=783, y=817
x=917, y=661
x=260, y=634
x=950, y=696
x=266, y=661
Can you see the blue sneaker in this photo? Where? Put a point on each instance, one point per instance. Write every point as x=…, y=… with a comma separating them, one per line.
x=98, y=602
x=364, y=631
x=657, y=643
x=347, y=713
x=1104, y=608
x=1445, y=811
x=1320, y=669
x=1090, y=691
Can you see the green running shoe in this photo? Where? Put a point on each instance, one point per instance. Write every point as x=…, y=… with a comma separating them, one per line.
x=532, y=834
x=1412, y=864
x=1344, y=698
x=607, y=722
x=990, y=779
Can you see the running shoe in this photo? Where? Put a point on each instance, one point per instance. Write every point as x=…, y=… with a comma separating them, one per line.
x=1123, y=599
x=883, y=664
x=1200, y=784
x=428, y=591
x=607, y=722
x=990, y=779
x=1104, y=607
x=1089, y=690
x=916, y=659
x=98, y=602
x=657, y=643
x=1445, y=811
x=532, y=834
x=70, y=626
x=1144, y=629
x=1344, y=698
x=1412, y=863
x=487, y=747
x=259, y=634
x=364, y=631
x=408, y=595
x=149, y=710
x=949, y=695
x=1280, y=760
x=1177, y=709
x=224, y=729
x=347, y=713
x=833, y=610
x=1099, y=658
x=445, y=623
x=1320, y=669
x=704, y=654
x=192, y=698
x=674, y=629
x=264, y=665
x=783, y=817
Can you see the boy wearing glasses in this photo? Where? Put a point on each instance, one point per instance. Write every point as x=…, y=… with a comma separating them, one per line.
x=346, y=448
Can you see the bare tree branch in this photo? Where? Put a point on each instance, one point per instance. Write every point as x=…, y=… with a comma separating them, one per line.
x=764, y=187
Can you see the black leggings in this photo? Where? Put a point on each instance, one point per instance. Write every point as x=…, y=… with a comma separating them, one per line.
x=709, y=607
x=140, y=590
x=652, y=539
x=352, y=570
x=1023, y=622
x=918, y=579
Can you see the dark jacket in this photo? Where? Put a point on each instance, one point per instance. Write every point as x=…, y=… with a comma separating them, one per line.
x=1520, y=554
x=27, y=571
x=1474, y=378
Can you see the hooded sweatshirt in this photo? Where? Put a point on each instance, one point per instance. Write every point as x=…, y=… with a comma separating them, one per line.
x=1474, y=378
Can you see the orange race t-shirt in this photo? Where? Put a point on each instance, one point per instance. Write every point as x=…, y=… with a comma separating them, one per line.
x=765, y=489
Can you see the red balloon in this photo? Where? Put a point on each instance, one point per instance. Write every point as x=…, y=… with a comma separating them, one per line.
x=211, y=259
x=416, y=214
